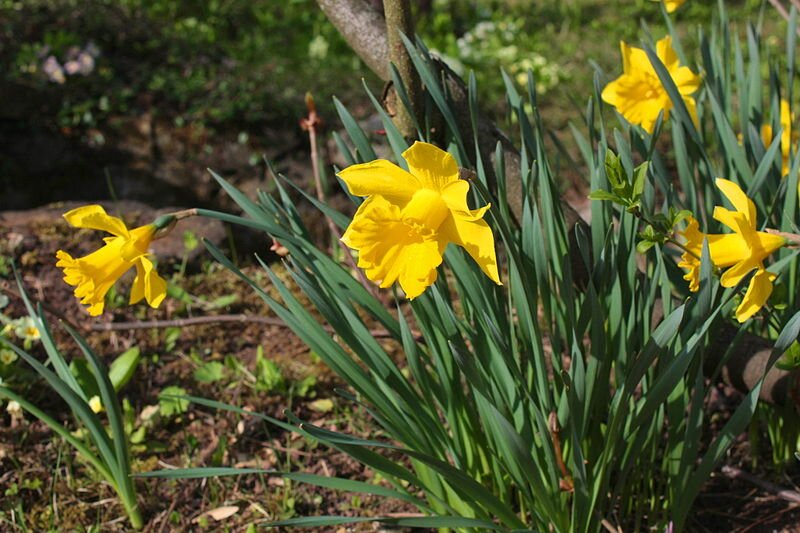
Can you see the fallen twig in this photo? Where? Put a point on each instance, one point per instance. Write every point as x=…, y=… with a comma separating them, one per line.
x=214, y=319
x=785, y=494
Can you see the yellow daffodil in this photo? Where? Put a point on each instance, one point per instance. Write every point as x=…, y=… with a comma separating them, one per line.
x=672, y=5
x=403, y=227
x=638, y=93
x=786, y=134
x=740, y=252
x=93, y=275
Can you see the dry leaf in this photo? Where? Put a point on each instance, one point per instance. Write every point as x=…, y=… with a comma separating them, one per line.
x=221, y=513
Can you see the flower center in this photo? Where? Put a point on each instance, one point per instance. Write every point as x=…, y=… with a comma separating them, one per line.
x=426, y=209
x=652, y=87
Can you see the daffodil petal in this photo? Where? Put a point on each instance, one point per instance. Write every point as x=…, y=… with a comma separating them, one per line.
x=634, y=59
x=687, y=81
x=155, y=288
x=96, y=309
x=757, y=294
x=667, y=54
x=610, y=94
x=690, y=259
x=382, y=178
x=432, y=166
x=137, y=289
x=638, y=99
x=638, y=93
x=138, y=243
x=95, y=217
x=672, y=5
x=738, y=199
x=691, y=107
x=734, y=275
x=454, y=195
x=475, y=236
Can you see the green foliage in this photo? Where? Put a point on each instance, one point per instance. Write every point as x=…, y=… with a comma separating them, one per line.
x=104, y=448
x=214, y=63
x=171, y=402
x=625, y=190
x=557, y=401
x=209, y=372
x=268, y=374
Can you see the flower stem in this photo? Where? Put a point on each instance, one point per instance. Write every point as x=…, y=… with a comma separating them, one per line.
x=682, y=247
x=186, y=213
x=793, y=238
x=134, y=515
x=165, y=223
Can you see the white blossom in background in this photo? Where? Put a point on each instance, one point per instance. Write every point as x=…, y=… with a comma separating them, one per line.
x=14, y=408
x=77, y=61
x=53, y=71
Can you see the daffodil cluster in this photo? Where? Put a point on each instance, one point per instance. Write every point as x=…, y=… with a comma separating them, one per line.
x=638, y=93
x=408, y=218
x=93, y=275
x=740, y=252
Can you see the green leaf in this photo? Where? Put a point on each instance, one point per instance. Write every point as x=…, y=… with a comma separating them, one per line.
x=639, y=177
x=614, y=171
x=123, y=367
x=268, y=374
x=643, y=246
x=83, y=374
x=209, y=372
x=600, y=194
x=171, y=401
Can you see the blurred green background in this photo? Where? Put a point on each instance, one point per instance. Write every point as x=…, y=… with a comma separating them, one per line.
x=134, y=98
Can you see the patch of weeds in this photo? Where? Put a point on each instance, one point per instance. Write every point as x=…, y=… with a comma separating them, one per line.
x=169, y=403
x=5, y=269
x=209, y=372
x=268, y=377
x=171, y=336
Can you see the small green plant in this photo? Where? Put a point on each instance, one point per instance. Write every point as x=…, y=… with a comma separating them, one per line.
x=104, y=448
x=171, y=401
x=210, y=372
x=268, y=374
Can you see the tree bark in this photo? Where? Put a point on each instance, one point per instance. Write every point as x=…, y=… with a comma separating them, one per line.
x=746, y=366
x=399, y=22
x=364, y=29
